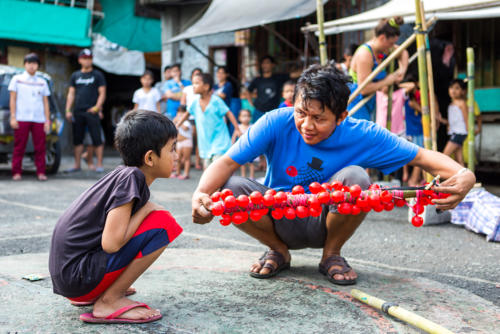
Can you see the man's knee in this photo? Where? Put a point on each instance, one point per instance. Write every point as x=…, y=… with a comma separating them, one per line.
x=239, y=185
x=351, y=175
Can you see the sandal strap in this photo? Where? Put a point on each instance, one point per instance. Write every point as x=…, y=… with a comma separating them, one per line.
x=336, y=260
x=272, y=255
x=125, y=309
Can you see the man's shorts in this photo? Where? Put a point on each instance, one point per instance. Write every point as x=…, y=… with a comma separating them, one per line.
x=83, y=121
x=307, y=232
x=156, y=231
x=457, y=138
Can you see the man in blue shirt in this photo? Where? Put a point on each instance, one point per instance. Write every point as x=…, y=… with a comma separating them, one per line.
x=315, y=141
x=173, y=90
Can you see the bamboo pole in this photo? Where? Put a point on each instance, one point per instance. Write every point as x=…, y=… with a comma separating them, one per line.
x=430, y=76
x=360, y=104
x=321, y=38
x=423, y=79
x=386, y=62
x=390, y=90
x=470, y=105
x=400, y=313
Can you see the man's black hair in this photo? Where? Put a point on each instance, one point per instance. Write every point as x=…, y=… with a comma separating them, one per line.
x=290, y=83
x=140, y=131
x=32, y=58
x=271, y=59
x=224, y=68
x=176, y=65
x=167, y=68
x=325, y=84
x=207, y=79
x=459, y=82
x=195, y=70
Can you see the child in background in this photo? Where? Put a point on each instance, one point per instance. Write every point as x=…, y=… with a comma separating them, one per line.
x=457, y=120
x=147, y=97
x=184, y=144
x=246, y=100
x=112, y=233
x=288, y=90
x=245, y=117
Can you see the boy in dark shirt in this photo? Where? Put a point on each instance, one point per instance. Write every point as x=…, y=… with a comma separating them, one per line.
x=112, y=233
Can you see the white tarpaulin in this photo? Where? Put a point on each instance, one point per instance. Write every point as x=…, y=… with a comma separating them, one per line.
x=116, y=59
x=442, y=9
x=230, y=15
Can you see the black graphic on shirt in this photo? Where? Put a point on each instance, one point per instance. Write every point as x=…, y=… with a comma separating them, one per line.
x=310, y=172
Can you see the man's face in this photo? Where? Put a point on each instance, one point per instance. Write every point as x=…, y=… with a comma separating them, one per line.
x=176, y=72
x=85, y=62
x=168, y=74
x=314, y=123
x=31, y=67
x=267, y=65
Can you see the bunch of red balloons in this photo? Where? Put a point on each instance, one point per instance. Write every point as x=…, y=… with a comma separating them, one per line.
x=348, y=200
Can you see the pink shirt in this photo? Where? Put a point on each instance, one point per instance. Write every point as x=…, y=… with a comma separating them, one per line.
x=398, y=118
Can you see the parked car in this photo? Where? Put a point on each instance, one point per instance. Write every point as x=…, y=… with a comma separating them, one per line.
x=53, y=149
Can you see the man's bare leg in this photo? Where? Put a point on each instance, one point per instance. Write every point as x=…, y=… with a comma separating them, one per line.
x=78, y=150
x=99, y=152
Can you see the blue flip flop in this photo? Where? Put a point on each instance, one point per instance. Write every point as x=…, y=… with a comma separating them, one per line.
x=73, y=170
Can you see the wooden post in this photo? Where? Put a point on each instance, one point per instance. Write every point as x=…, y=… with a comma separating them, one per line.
x=430, y=76
x=423, y=79
x=390, y=90
x=470, y=105
x=321, y=38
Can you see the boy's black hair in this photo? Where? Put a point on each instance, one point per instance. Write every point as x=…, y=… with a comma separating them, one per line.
x=290, y=83
x=271, y=59
x=32, y=58
x=325, y=84
x=459, y=82
x=207, y=80
x=140, y=131
x=176, y=65
x=223, y=68
x=148, y=72
x=196, y=69
x=167, y=68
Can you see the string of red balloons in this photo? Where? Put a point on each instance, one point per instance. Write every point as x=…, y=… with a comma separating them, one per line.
x=297, y=204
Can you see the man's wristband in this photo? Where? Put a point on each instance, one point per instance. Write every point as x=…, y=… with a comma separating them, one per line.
x=68, y=112
x=463, y=170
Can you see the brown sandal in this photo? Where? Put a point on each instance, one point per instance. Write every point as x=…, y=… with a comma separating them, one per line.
x=336, y=260
x=273, y=256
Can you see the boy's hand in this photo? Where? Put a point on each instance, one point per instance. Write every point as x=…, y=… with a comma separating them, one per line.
x=13, y=123
x=201, y=204
x=237, y=133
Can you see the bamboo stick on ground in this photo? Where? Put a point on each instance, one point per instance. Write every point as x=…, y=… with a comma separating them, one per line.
x=400, y=313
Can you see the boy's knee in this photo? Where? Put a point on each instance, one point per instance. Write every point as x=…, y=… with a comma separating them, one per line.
x=160, y=220
x=351, y=175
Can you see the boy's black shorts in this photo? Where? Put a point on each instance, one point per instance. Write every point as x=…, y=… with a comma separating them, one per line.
x=457, y=138
x=82, y=121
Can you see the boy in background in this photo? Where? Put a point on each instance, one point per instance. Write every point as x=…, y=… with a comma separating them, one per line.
x=245, y=117
x=112, y=233
x=288, y=90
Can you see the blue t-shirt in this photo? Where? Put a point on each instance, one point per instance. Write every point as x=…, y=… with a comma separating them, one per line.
x=293, y=162
x=211, y=129
x=174, y=87
x=413, y=121
x=227, y=89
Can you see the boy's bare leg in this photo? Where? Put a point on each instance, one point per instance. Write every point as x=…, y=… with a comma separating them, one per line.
x=243, y=171
x=339, y=229
x=251, y=167
x=263, y=231
x=450, y=148
x=187, y=160
x=415, y=177
x=114, y=297
x=459, y=155
x=99, y=152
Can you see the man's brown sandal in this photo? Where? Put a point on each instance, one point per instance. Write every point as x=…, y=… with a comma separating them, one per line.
x=336, y=260
x=275, y=256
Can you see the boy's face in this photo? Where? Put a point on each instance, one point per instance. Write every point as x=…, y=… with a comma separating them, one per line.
x=146, y=81
x=455, y=91
x=198, y=86
x=245, y=117
x=168, y=74
x=31, y=67
x=176, y=72
x=288, y=92
x=314, y=123
x=165, y=162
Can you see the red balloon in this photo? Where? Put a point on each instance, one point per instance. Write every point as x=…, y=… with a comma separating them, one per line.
x=355, y=191
x=417, y=221
x=344, y=208
x=218, y=209
x=337, y=185
x=256, y=197
x=385, y=197
x=366, y=208
x=324, y=197
x=327, y=186
x=374, y=200
x=263, y=211
x=255, y=215
x=289, y=213
x=378, y=207
x=225, y=220
x=355, y=210
x=418, y=209
x=337, y=196
x=428, y=192
x=280, y=197
x=400, y=202
x=268, y=200
x=315, y=188
x=277, y=213
x=374, y=187
x=313, y=202
x=226, y=192
x=362, y=202
x=389, y=206
x=314, y=211
x=215, y=196
x=270, y=192
x=302, y=211
x=424, y=201
x=230, y=201
x=242, y=201
x=239, y=217
x=345, y=189
x=297, y=190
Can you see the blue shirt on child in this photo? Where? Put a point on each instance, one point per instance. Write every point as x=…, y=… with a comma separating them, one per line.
x=174, y=87
x=293, y=162
x=227, y=89
x=413, y=121
x=211, y=129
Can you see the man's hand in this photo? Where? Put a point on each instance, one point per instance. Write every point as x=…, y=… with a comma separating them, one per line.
x=93, y=110
x=13, y=123
x=69, y=116
x=202, y=204
x=458, y=186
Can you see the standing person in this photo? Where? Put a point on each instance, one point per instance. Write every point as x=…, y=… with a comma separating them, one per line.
x=188, y=96
x=266, y=88
x=224, y=88
x=167, y=75
x=112, y=233
x=345, y=64
x=245, y=117
x=147, y=97
x=86, y=95
x=184, y=144
x=367, y=58
x=288, y=90
x=29, y=112
x=457, y=120
x=209, y=111
x=173, y=90
x=316, y=141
